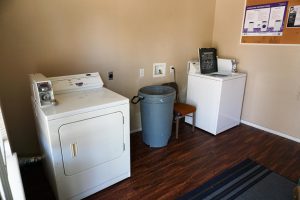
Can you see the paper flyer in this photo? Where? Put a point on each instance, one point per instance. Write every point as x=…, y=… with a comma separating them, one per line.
x=294, y=17
x=265, y=20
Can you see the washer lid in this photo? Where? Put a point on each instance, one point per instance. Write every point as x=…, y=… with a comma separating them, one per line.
x=83, y=101
x=219, y=77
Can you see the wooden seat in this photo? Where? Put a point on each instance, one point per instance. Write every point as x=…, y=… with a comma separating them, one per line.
x=181, y=109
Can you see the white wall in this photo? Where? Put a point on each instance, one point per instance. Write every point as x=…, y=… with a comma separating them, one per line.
x=272, y=98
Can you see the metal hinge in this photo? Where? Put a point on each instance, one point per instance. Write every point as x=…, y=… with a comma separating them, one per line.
x=123, y=146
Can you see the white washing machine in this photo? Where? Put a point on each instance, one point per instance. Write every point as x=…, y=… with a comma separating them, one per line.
x=83, y=130
x=218, y=97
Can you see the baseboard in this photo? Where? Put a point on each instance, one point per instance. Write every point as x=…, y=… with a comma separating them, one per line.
x=135, y=130
x=271, y=131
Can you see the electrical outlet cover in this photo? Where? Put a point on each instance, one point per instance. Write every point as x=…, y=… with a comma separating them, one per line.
x=142, y=72
x=159, y=69
x=171, y=69
x=110, y=75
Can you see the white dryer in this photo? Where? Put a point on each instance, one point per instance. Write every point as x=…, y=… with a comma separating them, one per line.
x=84, y=135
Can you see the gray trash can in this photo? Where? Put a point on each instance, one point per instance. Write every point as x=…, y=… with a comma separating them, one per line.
x=156, y=105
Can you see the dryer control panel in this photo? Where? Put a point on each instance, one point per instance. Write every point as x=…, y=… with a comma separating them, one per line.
x=44, y=89
x=71, y=83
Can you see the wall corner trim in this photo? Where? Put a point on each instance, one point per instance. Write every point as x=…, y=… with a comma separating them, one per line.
x=284, y=135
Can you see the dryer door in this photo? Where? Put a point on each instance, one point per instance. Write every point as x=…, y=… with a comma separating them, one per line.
x=91, y=142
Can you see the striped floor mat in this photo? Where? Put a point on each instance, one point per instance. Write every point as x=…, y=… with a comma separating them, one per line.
x=247, y=180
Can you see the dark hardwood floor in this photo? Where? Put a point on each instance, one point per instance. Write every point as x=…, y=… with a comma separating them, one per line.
x=186, y=163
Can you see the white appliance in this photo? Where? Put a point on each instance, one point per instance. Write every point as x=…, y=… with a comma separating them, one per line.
x=218, y=98
x=11, y=185
x=84, y=136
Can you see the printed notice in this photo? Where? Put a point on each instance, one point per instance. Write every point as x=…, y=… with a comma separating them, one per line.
x=264, y=20
x=294, y=17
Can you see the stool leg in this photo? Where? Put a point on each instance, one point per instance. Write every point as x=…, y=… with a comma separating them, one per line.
x=177, y=126
x=193, y=129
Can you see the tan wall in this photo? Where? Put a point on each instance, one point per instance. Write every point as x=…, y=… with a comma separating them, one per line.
x=272, y=98
x=61, y=37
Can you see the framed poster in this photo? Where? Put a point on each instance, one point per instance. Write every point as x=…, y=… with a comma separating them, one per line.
x=265, y=19
x=208, y=60
x=271, y=22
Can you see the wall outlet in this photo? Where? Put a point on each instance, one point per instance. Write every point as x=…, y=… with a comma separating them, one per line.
x=142, y=72
x=171, y=69
x=159, y=69
x=110, y=75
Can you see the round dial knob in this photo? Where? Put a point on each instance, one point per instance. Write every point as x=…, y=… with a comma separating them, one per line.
x=46, y=97
x=44, y=87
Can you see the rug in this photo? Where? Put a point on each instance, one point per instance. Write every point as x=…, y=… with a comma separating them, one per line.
x=247, y=180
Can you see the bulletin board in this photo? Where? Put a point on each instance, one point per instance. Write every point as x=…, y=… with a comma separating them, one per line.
x=271, y=22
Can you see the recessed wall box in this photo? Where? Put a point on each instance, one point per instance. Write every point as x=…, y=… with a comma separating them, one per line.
x=159, y=69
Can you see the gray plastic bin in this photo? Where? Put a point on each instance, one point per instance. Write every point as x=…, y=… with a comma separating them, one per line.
x=156, y=105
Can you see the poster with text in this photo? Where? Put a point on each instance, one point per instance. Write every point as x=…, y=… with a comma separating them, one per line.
x=294, y=17
x=264, y=20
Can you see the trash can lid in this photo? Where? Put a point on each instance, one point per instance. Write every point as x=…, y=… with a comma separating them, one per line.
x=157, y=90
